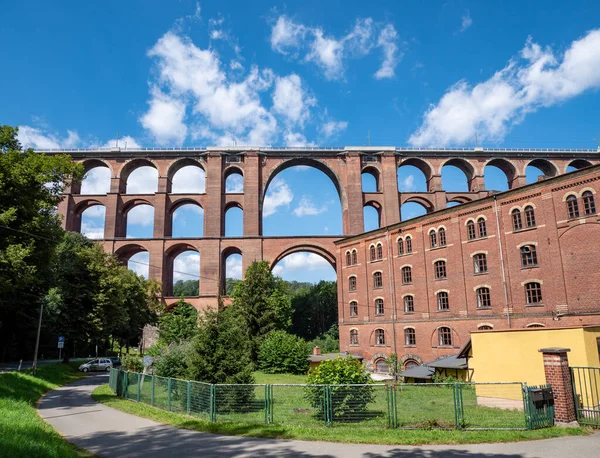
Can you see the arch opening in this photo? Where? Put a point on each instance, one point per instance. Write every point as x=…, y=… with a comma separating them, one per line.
x=140, y=222
x=185, y=273
x=413, y=175
x=234, y=182
x=136, y=258
x=189, y=179
x=371, y=216
x=96, y=181
x=577, y=164
x=187, y=221
x=499, y=175
x=232, y=269
x=92, y=222
x=234, y=221
x=370, y=179
x=302, y=197
x=538, y=169
x=142, y=180
x=456, y=176
x=413, y=209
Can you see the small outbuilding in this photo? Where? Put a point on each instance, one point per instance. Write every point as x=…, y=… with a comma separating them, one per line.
x=447, y=366
x=317, y=357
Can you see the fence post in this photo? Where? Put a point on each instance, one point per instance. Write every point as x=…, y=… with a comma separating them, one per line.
x=458, y=405
x=125, y=384
x=169, y=394
x=152, y=394
x=189, y=396
x=558, y=376
x=139, y=387
x=526, y=408
x=213, y=404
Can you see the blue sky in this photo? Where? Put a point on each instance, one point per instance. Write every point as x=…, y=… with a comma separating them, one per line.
x=514, y=74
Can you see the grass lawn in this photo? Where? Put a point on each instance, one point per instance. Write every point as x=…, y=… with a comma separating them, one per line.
x=23, y=433
x=290, y=406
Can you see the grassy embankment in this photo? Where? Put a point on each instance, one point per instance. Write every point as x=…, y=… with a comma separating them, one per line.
x=23, y=433
x=421, y=407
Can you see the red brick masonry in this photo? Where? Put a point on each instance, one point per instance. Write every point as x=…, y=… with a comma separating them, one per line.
x=558, y=375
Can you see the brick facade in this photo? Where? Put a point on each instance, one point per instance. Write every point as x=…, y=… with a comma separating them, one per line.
x=558, y=375
x=566, y=270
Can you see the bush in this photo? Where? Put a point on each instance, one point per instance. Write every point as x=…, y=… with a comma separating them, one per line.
x=282, y=353
x=347, y=400
x=173, y=361
x=328, y=342
x=132, y=363
x=178, y=324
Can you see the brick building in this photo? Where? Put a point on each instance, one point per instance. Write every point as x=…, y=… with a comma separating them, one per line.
x=527, y=257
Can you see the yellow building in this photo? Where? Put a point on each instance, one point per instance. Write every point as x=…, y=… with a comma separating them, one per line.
x=513, y=356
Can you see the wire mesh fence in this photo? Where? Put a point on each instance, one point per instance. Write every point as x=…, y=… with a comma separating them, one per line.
x=467, y=406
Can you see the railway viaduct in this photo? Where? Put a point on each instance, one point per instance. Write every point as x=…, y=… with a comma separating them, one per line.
x=258, y=166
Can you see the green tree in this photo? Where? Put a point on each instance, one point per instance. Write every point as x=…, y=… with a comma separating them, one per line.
x=30, y=190
x=315, y=309
x=178, y=324
x=282, y=353
x=328, y=342
x=342, y=373
x=186, y=288
x=173, y=361
x=264, y=303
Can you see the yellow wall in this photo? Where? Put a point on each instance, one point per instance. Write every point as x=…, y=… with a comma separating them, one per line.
x=513, y=356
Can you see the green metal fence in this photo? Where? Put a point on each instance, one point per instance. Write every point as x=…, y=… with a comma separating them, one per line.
x=586, y=393
x=466, y=406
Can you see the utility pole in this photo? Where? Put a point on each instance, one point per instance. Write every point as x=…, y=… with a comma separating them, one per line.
x=37, y=340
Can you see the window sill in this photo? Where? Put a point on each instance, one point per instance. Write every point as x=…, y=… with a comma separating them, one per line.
x=449, y=347
x=477, y=274
x=489, y=307
x=353, y=345
x=352, y=291
x=525, y=229
x=353, y=316
x=377, y=287
x=443, y=311
x=379, y=315
x=537, y=304
x=409, y=313
x=530, y=267
x=404, y=254
x=477, y=239
x=410, y=346
x=375, y=261
x=439, y=247
x=440, y=279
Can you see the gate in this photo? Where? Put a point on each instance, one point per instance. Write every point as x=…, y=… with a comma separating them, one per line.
x=586, y=393
x=539, y=406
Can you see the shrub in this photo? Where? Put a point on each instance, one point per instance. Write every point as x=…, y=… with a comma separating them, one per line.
x=173, y=361
x=328, y=342
x=347, y=400
x=132, y=363
x=281, y=353
x=178, y=324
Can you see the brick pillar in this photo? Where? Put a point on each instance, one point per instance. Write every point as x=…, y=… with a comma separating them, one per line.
x=477, y=183
x=161, y=208
x=353, y=208
x=556, y=367
x=252, y=195
x=213, y=213
x=389, y=186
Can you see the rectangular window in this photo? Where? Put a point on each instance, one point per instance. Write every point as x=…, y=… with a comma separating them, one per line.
x=406, y=275
x=409, y=304
x=408, y=245
x=353, y=309
x=440, y=270
x=410, y=337
x=352, y=284
x=443, y=303
x=528, y=256
x=379, y=309
x=471, y=230
x=534, y=293
x=483, y=298
x=480, y=263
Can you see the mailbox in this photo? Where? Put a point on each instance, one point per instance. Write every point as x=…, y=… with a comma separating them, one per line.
x=537, y=394
x=541, y=396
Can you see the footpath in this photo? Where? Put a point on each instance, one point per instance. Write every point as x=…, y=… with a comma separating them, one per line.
x=110, y=433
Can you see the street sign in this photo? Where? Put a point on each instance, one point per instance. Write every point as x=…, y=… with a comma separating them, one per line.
x=61, y=342
x=147, y=360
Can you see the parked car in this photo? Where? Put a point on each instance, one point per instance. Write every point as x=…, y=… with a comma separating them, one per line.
x=116, y=361
x=98, y=364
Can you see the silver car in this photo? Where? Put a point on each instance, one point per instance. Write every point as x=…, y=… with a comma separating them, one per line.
x=98, y=364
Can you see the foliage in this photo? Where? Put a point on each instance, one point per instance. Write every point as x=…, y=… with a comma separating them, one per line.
x=30, y=190
x=393, y=364
x=441, y=378
x=23, y=433
x=132, y=362
x=315, y=308
x=178, y=324
x=186, y=288
x=328, y=342
x=173, y=360
x=263, y=301
x=230, y=285
x=282, y=353
x=349, y=400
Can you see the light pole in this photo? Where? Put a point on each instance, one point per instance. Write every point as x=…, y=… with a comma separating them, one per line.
x=37, y=340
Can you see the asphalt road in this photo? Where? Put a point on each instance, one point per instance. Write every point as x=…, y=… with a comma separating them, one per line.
x=8, y=367
x=110, y=433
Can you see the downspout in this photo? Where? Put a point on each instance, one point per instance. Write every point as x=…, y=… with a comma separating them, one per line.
x=502, y=262
x=393, y=298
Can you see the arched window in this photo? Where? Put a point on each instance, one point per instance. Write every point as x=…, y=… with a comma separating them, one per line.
x=572, y=206
x=535, y=325
x=471, y=230
x=442, y=300
x=485, y=327
x=528, y=256
x=377, y=280
x=480, y=263
x=379, y=251
x=406, y=275
x=481, y=227
x=533, y=293
x=516, y=219
x=348, y=258
x=432, y=239
x=529, y=216
x=400, y=247
x=409, y=364
x=409, y=304
x=379, y=309
x=483, y=298
x=589, y=207
x=373, y=253
x=353, y=337
x=410, y=338
x=442, y=236
x=381, y=366
x=445, y=335
x=440, y=270
x=353, y=308
x=352, y=283
x=408, y=241
x=354, y=258
x=379, y=337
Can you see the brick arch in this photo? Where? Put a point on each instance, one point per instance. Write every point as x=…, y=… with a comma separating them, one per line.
x=85, y=204
x=424, y=201
x=129, y=205
x=546, y=166
x=177, y=165
x=125, y=252
x=174, y=207
x=88, y=165
x=506, y=166
x=225, y=253
x=578, y=164
x=170, y=254
x=133, y=164
x=460, y=199
x=435, y=340
x=305, y=247
x=421, y=164
x=375, y=173
x=462, y=164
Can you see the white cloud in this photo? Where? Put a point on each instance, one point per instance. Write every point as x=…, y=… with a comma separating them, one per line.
x=290, y=99
x=306, y=207
x=235, y=65
x=328, y=52
x=186, y=266
x=165, y=118
x=332, y=128
x=387, y=41
x=96, y=181
x=33, y=137
x=92, y=222
x=189, y=180
x=489, y=109
x=142, y=215
x=407, y=184
x=301, y=261
x=278, y=195
x=143, y=180
x=233, y=267
x=466, y=21
x=234, y=184
x=139, y=264
x=296, y=139
x=125, y=142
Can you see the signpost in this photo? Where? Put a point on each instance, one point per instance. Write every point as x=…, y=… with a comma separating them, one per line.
x=61, y=345
x=147, y=362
